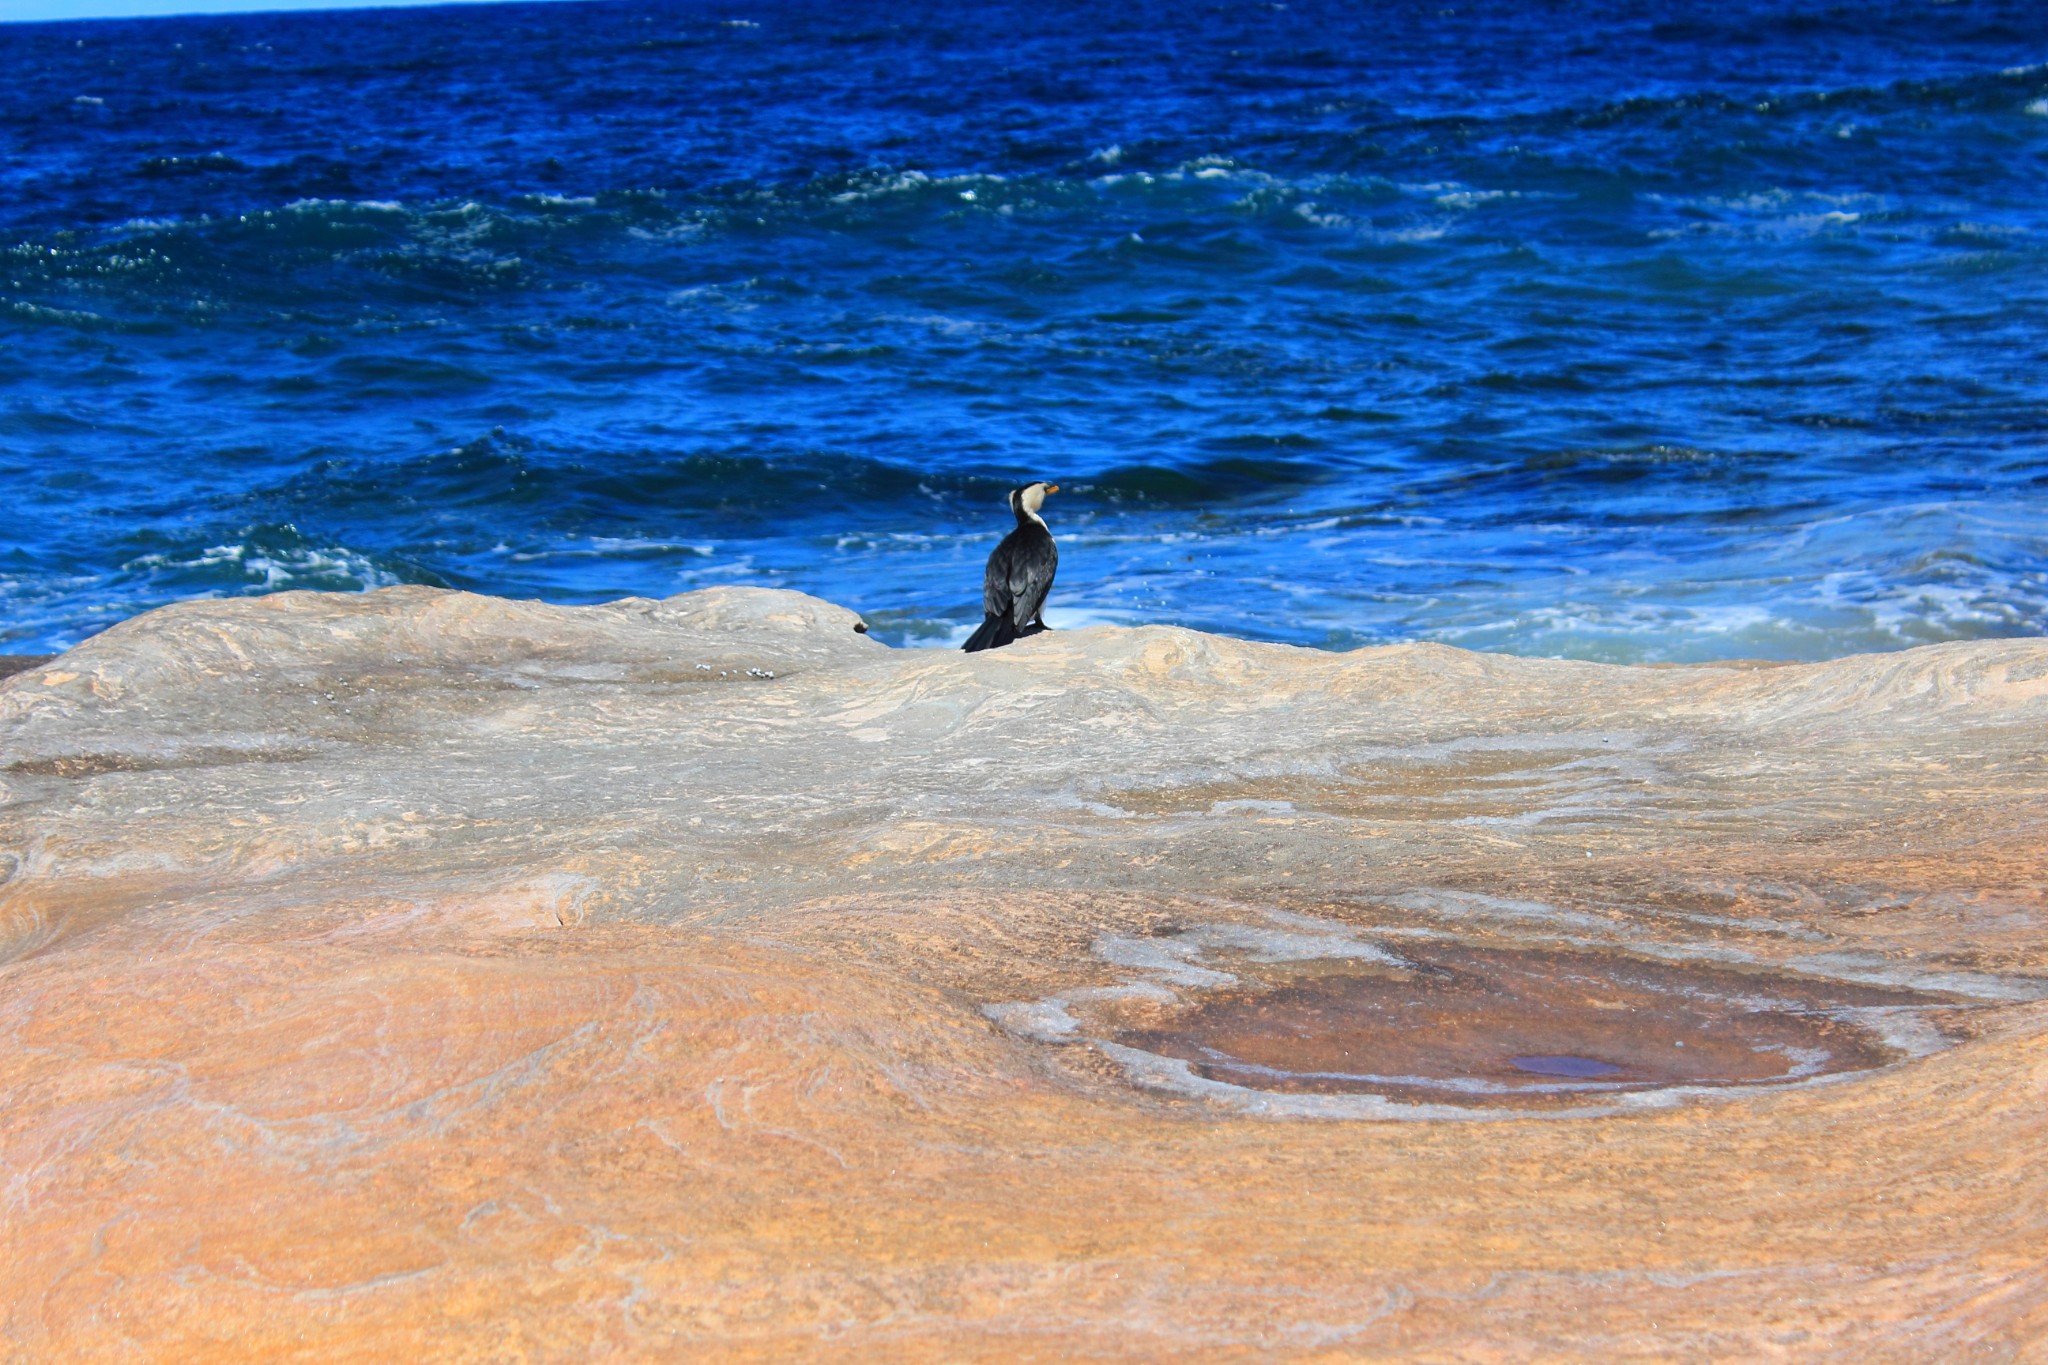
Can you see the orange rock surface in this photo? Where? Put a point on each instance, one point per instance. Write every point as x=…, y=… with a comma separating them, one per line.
x=418, y=975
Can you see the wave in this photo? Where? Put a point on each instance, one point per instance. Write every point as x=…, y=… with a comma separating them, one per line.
x=58, y=605
x=260, y=559
x=1229, y=481
x=734, y=492
x=622, y=487
x=1210, y=214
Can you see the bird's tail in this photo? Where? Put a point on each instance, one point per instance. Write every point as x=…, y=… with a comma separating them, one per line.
x=995, y=631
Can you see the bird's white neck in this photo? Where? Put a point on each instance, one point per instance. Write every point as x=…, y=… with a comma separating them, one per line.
x=1026, y=506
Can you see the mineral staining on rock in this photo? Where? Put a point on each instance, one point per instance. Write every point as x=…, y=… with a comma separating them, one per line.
x=419, y=973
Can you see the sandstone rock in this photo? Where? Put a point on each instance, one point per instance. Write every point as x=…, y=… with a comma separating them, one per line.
x=422, y=974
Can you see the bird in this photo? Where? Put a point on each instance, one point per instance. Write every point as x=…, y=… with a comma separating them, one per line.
x=1019, y=574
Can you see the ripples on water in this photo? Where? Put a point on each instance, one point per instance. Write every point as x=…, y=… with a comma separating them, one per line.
x=1625, y=331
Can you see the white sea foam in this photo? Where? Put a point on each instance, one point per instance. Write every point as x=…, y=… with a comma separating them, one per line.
x=1307, y=211
x=42, y=312
x=1465, y=199
x=939, y=322
x=271, y=569
x=880, y=186
x=1081, y=616
x=730, y=296
x=327, y=207
x=604, y=547
x=1056, y=618
x=1421, y=232
x=673, y=232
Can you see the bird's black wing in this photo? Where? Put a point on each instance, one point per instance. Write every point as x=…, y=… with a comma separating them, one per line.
x=996, y=592
x=1029, y=575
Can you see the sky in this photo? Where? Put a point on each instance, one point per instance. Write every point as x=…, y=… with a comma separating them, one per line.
x=24, y=11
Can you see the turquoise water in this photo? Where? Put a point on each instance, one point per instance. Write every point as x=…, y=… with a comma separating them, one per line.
x=1623, y=331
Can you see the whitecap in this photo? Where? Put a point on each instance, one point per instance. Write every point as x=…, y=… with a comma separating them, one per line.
x=1465, y=199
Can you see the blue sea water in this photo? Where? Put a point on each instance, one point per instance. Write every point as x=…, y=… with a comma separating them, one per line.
x=1628, y=331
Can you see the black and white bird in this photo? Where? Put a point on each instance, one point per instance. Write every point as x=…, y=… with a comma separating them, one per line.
x=1019, y=574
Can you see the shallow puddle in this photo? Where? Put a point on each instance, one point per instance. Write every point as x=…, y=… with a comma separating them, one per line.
x=1463, y=1025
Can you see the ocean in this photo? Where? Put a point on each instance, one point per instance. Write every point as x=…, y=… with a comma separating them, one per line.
x=1616, y=331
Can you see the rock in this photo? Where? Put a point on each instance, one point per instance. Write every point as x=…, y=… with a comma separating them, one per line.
x=417, y=973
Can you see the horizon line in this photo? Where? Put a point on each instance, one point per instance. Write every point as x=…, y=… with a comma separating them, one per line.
x=105, y=11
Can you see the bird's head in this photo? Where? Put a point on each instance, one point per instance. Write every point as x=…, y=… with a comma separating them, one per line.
x=1031, y=496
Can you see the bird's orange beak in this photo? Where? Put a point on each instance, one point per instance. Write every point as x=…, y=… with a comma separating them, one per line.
x=1052, y=488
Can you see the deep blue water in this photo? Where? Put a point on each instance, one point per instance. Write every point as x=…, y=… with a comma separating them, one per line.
x=1613, y=330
